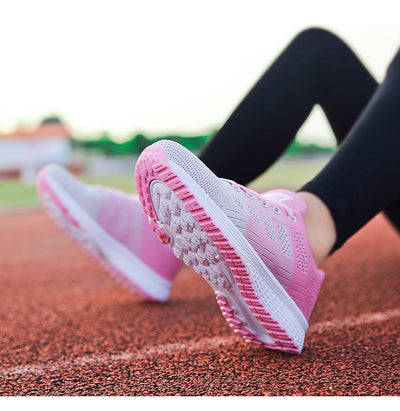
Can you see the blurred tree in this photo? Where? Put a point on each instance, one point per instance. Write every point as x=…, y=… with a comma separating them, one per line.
x=51, y=120
x=140, y=142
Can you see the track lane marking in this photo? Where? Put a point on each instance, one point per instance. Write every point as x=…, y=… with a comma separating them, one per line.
x=189, y=346
x=353, y=321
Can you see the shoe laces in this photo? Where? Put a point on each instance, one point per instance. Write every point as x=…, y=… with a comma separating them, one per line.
x=277, y=209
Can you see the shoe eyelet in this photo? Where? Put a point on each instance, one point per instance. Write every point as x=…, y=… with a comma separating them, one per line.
x=277, y=210
x=292, y=220
x=250, y=195
x=264, y=204
x=236, y=188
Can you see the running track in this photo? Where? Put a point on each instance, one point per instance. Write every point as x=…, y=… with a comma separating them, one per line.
x=67, y=328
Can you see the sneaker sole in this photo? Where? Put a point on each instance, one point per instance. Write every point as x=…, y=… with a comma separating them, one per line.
x=252, y=301
x=112, y=256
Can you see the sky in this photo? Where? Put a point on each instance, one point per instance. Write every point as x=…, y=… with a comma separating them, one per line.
x=164, y=67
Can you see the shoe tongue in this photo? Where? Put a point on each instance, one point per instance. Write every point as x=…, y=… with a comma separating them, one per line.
x=289, y=198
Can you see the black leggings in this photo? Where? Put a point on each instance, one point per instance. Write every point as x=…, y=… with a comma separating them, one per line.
x=363, y=177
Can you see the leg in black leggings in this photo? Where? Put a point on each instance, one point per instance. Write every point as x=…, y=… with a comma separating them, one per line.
x=363, y=177
x=316, y=68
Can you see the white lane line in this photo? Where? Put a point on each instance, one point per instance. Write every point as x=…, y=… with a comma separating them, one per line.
x=353, y=321
x=190, y=346
x=187, y=347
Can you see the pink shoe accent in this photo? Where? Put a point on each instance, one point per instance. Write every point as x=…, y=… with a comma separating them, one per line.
x=121, y=215
x=258, y=302
x=136, y=251
x=285, y=249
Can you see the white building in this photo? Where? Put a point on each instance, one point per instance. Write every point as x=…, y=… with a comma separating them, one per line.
x=26, y=151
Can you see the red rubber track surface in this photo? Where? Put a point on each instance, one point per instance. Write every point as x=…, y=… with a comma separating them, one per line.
x=67, y=328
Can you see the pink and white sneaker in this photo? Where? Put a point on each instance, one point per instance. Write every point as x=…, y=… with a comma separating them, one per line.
x=252, y=249
x=111, y=226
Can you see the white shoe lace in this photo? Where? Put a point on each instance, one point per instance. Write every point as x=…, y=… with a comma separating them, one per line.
x=264, y=202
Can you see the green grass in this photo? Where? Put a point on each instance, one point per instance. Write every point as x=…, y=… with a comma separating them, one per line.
x=287, y=174
x=291, y=174
x=14, y=194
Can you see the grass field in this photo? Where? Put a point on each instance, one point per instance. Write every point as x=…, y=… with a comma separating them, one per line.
x=287, y=173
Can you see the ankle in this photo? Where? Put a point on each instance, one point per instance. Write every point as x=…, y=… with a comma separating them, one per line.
x=320, y=227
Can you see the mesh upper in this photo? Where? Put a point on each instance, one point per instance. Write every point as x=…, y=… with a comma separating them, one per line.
x=285, y=241
x=203, y=176
x=88, y=197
